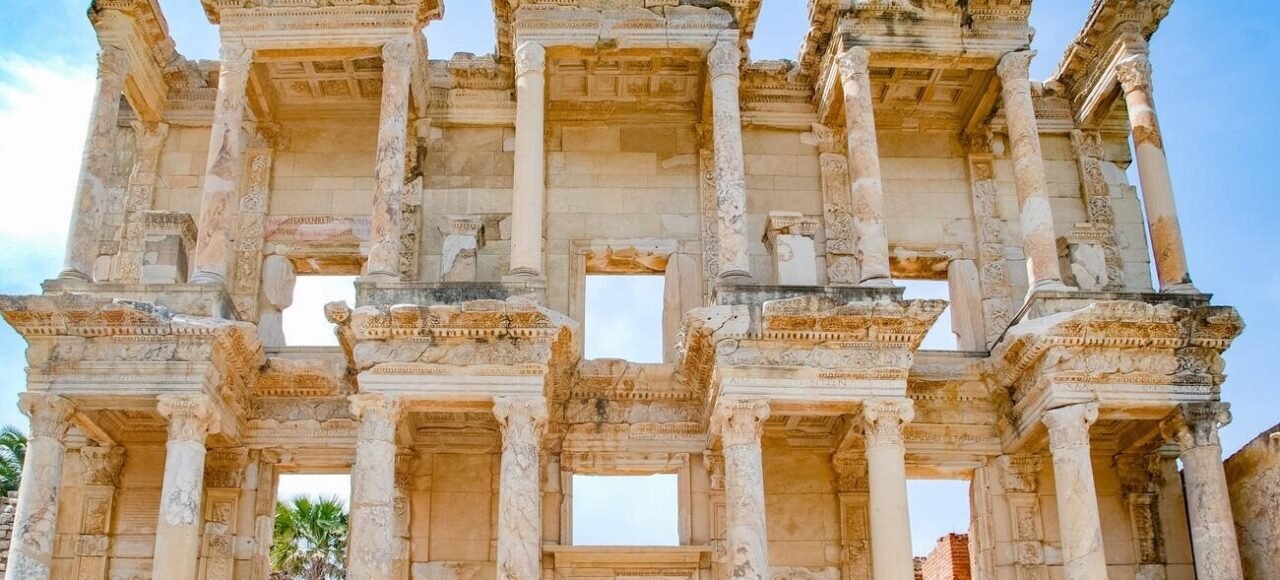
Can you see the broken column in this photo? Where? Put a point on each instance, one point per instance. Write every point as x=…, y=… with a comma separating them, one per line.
x=789, y=237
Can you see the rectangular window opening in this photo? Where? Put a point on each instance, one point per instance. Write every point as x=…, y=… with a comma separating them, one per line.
x=940, y=336
x=304, y=322
x=311, y=525
x=624, y=316
x=626, y=510
x=940, y=525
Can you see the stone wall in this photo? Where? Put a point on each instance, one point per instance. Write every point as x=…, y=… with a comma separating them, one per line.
x=7, y=505
x=1253, y=475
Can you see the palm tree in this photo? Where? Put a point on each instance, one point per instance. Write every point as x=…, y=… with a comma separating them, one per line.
x=310, y=540
x=13, y=451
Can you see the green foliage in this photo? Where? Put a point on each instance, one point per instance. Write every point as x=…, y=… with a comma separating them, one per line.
x=13, y=451
x=310, y=540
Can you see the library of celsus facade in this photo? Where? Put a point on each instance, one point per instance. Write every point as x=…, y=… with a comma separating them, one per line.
x=783, y=203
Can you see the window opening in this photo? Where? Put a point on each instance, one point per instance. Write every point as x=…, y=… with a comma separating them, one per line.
x=940, y=336
x=304, y=321
x=938, y=508
x=624, y=317
x=626, y=510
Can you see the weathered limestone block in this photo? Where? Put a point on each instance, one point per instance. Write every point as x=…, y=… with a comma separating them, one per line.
x=463, y=238
x=1253, y=479
x=789, y=236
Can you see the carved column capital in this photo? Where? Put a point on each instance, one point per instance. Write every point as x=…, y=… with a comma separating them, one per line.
x=740, y=422
x=1069, y=426
x=531, y=57
x=406, y=468
x=852, y=475
x=190, y=417
x=226, y=467
x=378, y=415
x=522, y=419
x=50, y=414
x=149, y=136
x=1134, y=73
x=1015, y=66
x=883, y=419
x=1020, y=473
x=724, y=59
x=398, y=53
x=112, y=60
x=101, y=465
x=1139, y=472
x=235, y=57
x=853, y=62
x=1195, y=425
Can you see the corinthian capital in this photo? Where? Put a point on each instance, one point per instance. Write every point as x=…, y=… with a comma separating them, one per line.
x=740, y=422
x=50, y=414
x=190, y=417
x=112, y=60
x=853, y=62
x=1196, y=425
x=378, y=416
x=724, y=58
x=1134, y=73
x=1069, y=426
x=101, y=465
x=398, y=53
x=883, y=419
x=1015, y=66
x=522, y=419
x=531, y=57
x=235, y=57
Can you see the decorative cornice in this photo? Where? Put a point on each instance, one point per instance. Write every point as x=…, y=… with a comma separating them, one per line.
x=419, y=11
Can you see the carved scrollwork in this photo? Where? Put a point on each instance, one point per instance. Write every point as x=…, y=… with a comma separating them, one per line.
x=1069, y=426
x=190, y=417
x=50, y=414
x=883, y=420
x=740, y=422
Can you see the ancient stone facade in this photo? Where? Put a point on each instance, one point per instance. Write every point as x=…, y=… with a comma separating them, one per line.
x=780, y=201
x=1253, y=475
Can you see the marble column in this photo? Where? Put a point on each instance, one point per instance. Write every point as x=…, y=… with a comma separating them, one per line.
x=371, y=552
x=35, y=518
x=1134, y=74
x=398, y=56
x=95, y=166
x=723, y=64
x=1035, y=213
x=864, y=168
x=740, y=424
x=222, y=172
x=1078, y=519
x=1194, y=427
x=522, y=420
x=192, y=418
x=528, y=195
x=883, y=420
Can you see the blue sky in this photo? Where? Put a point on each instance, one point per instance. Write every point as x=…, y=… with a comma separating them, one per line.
x=1214, y=89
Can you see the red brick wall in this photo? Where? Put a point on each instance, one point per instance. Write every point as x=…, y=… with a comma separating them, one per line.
x=949, y=560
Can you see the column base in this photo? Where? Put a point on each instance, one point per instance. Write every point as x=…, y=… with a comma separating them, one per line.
x=1183, y=288
x=203, y=277
x=877, y=283
x=735, y=278
x=73, y=274
x=378, y=277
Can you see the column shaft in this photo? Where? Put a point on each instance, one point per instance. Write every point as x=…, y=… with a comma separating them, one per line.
x=1035, y=213
x=177, y=549
x=891, y=556
x=864, y=168
x=529, y=190
x=731, y=190
x=740, y=424
x=522, y=420
x=388, y=173
x=1081, y=526
x=35, y=519
x=95, y=166
x=1134, y=74
x=372, y=542
x=222, y=173
x=1194, y=427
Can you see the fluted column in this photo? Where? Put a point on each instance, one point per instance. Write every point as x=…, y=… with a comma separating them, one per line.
x=522, y=420
x=373, y=538
x=388, y=174
x=528, y=193
x=95, y=166
x=723, y=64
x=36, y=517
x=864, y=167
x=1035, y=213
x=222, y=172
x=1194, y=427
x=740, y=424
x=192, y=418
x=1134, y=74
x=1081, y=527
x=883, y=420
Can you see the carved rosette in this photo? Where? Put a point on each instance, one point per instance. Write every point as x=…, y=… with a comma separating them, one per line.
x=101, y=465
x=883, y=420
x=50, y=414
x=1195, y=425
x=1069, y=426
x=740, y=422
x=191, y=417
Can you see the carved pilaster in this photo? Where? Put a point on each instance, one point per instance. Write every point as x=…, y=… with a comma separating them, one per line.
x=1096, y=193
x=1020, y=480
x=1139, y=482
x=993, y=271
x=251, y=230
x=100, y=475
x=149, y=140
